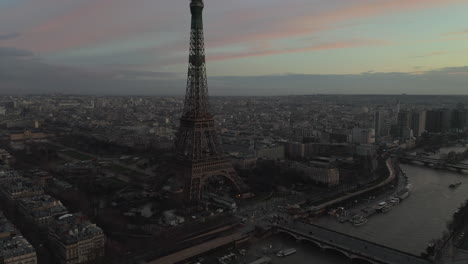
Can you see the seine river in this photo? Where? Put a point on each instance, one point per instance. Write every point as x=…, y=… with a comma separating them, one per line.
x=409, y=226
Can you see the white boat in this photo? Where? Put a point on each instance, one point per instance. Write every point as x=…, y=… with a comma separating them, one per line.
x=403, y=194
x=386, y=208
x=409, y=187
x=286, y=252
x=379, y=206
x=394, y=200
x=227, y=258
x=359, y=220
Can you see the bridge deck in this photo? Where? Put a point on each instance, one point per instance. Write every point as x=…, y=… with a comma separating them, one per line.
x=199, y=249
x=353, y=246
x=434, y=161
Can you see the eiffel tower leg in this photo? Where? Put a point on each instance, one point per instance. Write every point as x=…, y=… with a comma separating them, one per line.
x=236, y=179
x=192, y=190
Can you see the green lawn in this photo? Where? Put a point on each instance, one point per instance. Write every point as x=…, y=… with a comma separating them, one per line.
x=113, y=183
x=76, y=155
x=122, y=170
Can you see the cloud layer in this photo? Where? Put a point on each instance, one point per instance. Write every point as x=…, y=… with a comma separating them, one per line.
x=140, y=46
x=21, y=72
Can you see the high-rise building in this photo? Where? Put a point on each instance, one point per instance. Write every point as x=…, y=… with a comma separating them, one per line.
x=446, y=119
x=382, y=125
x=418, y=122
x=404, y=119
x=363, y=135
x=438, y=120
x=433, y=121
x=340, y=136
x=378, y=123
x=294, y=150
x=459, y=118
x=466, y=119
x=403, y=127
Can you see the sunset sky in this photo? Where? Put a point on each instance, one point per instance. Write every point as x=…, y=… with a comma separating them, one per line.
x=250, y=44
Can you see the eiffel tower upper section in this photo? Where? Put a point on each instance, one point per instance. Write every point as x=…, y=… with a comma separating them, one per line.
x=197, y=140
x=196, y=97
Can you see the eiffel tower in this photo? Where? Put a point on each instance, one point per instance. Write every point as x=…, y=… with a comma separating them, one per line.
x=198, y=149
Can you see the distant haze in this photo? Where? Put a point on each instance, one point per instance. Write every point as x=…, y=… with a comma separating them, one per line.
x=254, y=47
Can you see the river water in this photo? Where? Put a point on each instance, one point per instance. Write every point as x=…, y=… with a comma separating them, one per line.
x=306, y=252
x=408, y=227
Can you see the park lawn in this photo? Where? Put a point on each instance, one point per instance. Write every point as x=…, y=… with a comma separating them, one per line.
x=77, y=155
x=119, y=169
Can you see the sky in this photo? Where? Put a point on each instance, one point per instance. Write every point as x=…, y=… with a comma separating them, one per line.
x=253, y=47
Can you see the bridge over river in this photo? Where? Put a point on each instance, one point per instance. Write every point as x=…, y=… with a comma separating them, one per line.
x=352, y=247
x=436, y=163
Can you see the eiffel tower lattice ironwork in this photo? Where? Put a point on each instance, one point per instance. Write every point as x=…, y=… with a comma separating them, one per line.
x=198, y=148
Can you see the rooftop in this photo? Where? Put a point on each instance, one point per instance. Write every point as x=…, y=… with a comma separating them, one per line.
x=7, y=175
x=62, y=185
x=42, y=206
x=20, y=185
x=5, y=225
x=14, y=247
x=72, y=228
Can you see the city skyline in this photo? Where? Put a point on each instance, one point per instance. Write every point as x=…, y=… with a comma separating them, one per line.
x=336, y=131
x=362, y=46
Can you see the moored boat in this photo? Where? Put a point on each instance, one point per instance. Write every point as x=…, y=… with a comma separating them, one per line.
x=379, y=206
x=359, y=220
x=263, y=260
x=286, y=252
x=404, y=193
x=386, y=208
x=455, y=185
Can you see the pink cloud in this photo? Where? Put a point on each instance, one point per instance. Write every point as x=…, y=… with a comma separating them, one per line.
x=101, y=21
x=435, y=53
x=306, y=25
x=326, y=46
x=457, y=73
x=261, y=40
x=92, y=22
x=465, y=32
x=25, y=14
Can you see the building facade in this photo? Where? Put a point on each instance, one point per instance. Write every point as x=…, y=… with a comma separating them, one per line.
x=76, y=240
x=418, y=122
x=363, y=135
